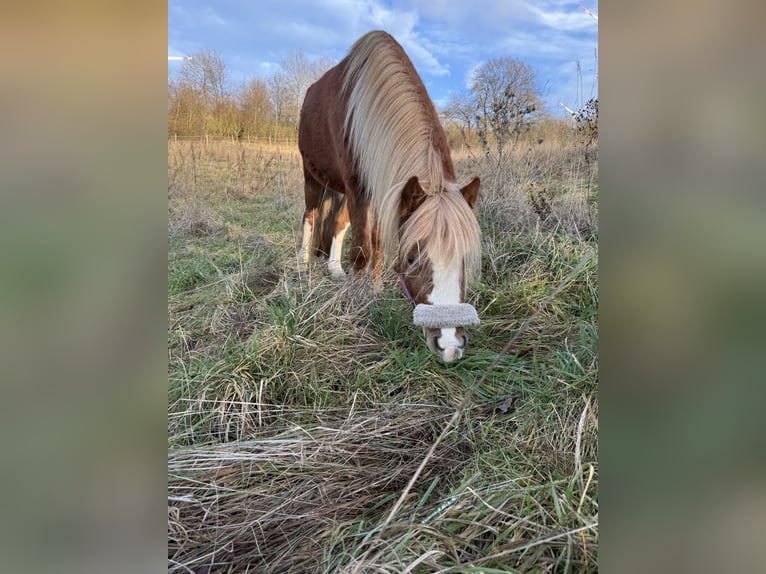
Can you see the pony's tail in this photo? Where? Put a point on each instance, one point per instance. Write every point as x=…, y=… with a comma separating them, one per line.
x=329, y=210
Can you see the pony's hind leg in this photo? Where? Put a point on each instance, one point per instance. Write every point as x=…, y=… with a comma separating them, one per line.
x=340, y=228
x=309, y=221
x=313, y=195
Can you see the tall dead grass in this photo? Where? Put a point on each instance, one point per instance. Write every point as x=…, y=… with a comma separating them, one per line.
x=276, y=501
x=550, y=184
x=201, y=174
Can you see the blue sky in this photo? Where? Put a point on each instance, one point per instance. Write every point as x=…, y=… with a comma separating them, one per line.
x=445, y=39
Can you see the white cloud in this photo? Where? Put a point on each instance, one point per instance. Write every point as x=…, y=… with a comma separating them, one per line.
x=209, y=17
x=563, y=21
x=470, y=20
x=445, y=39
x=423, y=60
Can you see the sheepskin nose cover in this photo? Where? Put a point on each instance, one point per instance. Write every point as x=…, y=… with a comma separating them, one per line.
x=441, y=316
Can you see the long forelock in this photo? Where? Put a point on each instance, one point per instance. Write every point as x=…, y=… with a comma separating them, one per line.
x=445, y=229
x=389, y=122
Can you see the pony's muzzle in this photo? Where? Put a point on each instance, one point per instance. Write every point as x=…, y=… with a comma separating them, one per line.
x=451, y=354
x=448, y=344
x=443, y=328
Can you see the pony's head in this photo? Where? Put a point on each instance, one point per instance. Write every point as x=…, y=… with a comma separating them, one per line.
x=439, y=250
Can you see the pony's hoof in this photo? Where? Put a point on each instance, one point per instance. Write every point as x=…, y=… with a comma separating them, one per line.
x=337, y=273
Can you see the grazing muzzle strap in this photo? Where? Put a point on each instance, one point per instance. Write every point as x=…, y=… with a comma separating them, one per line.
x=442, y=316
x=405, y=290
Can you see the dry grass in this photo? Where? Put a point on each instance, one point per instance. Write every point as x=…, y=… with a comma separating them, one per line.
x=298, y=487
x=299, y=500
x=300, y=408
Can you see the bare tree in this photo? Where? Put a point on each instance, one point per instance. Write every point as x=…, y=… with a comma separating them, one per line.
x=460, y=111
x=206, y=72
x=279, y=96
x=254, y=106
x=186, y=110
x=504, y=96
x=200, y=101
x=201, y=96
x=288, y=86
x=226, y=119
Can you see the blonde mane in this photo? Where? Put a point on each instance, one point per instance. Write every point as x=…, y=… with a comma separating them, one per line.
x=390, y=123
x=446, y=222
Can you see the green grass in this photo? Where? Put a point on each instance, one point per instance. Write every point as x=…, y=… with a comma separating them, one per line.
x=300, y=406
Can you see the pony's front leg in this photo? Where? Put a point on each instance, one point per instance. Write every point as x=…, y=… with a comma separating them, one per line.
x=359, y=254
x=367, y=265
x=376, y=263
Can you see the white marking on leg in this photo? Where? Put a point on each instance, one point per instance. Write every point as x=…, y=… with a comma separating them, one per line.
x=304, y=253
x=446, y=291
x=336, y=253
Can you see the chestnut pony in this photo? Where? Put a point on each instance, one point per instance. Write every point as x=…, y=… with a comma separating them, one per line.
x=376, y=159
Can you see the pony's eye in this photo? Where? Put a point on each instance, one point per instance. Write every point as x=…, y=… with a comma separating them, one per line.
x=411, y=261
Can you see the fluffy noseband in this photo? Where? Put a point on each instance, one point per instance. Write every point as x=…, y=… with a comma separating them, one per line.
x=438, y=316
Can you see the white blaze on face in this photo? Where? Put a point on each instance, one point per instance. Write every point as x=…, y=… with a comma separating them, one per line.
x=446, y=291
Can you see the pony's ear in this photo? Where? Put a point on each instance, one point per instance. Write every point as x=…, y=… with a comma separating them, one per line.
x=471, y=192
x=412, y=196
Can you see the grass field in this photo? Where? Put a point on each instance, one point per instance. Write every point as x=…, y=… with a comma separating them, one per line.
x=300, y=407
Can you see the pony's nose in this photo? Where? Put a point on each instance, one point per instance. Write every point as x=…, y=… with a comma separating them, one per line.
x=452, y=353
x=453, y=348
